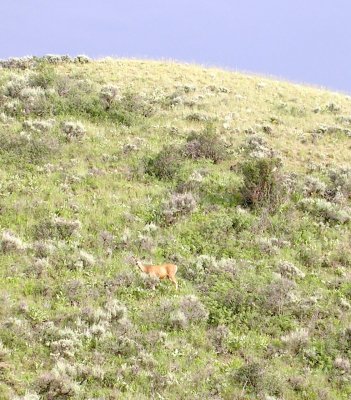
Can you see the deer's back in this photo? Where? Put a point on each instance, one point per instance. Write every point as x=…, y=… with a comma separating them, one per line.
x=162, y=271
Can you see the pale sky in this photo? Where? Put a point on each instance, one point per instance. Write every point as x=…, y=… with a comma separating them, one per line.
x=304, y=41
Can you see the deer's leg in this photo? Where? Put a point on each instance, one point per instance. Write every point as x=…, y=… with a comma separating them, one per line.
x=173, y=279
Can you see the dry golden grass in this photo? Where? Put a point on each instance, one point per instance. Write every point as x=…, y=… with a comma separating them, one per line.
x=251, y=102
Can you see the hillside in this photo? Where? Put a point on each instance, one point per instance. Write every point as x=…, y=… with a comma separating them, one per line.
x=241, y=181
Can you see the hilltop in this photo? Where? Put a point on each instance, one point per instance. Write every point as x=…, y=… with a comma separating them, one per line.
x=242, y=181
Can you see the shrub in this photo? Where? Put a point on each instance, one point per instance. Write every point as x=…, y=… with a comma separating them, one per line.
x=250, y=375
x=39, y=267
x=109, y=94
x=5, y=119
x=28, y=396
x=94, y=315
x=178, y=205
x=267, y=245
x=242, y=219
x=82, y=59
x=56, y=58
x=166, y=164
x=10, y=242
x=150, y=281
x=200, y=267
x=57, y=386
x=4, y=352
x=15, y=85
x=340, y=181
x=278, y=295
x=13, y=108
x=124, y=279
x=65, y=346
x=85, y=259
x=41, y=126
x=30, y=148
x=193, y=309
x=107, y=239
x=43, y=249
x=298, y=383
x=296, y=340
x=73, y=130
x=218, y=337
x=116, y=310
x=34, y=100
x=257, y=147
x=205, y=145
x=178, y=320
x=289, y=270
x=57, y=227
x=206, y=267
x=18, y=62
x=64, y=227
x=120, y=346
x=145, y=243
x=44, y=76
x=326, y=210
x=193, y=183
x=173, y=99
x=314, y=186
x=263, y=185
x=197, y=117
x=342, y=364
x=137, y=104
x=75, y=291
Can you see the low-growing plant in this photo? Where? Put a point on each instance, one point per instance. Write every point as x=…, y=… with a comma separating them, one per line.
x=42, y=126
x=314, y=186
x=11, y=243
x=289, y=270
x=198, y=117
x=193, y=309
x=32, y=148
x=278, y=296
x=326, y=210
x=55, y=385
x=177, y=320
x=296, y=340
x=73, y=130
x=340, y=181
x=219, y=336
x=57, y=227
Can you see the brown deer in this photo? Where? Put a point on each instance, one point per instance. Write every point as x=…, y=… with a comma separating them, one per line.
x=161, y=271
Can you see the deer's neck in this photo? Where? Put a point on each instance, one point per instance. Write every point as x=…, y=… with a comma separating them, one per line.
x=140, y=265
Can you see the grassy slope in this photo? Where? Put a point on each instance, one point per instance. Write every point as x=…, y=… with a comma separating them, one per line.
x=156, y=351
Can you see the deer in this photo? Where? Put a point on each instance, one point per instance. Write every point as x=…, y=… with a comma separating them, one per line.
x=162, y=271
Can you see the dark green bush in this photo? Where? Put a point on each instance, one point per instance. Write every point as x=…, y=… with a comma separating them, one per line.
x=263, y=182
x=166, y=164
